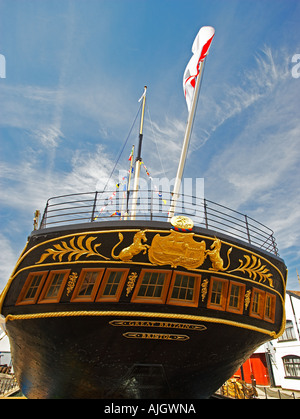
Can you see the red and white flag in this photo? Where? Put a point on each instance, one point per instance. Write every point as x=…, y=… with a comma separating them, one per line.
x=200, y=49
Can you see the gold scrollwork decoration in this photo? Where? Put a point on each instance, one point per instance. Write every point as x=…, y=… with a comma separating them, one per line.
x=72, y=249
x=131, y=281
x=204, y=289
x=247, y=299
x=255, y=269
x=71, y=282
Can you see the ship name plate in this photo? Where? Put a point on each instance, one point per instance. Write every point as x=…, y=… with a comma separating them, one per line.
x=146, y=323
x=155, y=336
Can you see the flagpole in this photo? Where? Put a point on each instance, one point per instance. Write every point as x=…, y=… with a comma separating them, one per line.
x=138, y=160
x=186, y=142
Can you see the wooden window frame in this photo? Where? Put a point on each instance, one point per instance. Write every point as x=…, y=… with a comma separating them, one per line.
x=180, y=302
x=116, y=297
x=27, y=285
x=89, y=298
x=289, y=333
x=152, y=300
x=240, y=308
x=261, y=313
x=225, y=286
x=43, y=299
x=273, y=307
x=291, y=364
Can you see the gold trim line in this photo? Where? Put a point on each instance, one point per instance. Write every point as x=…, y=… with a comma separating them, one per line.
x=12, y=317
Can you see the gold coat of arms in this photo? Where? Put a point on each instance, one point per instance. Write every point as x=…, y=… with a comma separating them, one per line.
x=177, y=249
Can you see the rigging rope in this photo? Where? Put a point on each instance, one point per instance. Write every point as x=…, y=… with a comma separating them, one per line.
x=121, y=152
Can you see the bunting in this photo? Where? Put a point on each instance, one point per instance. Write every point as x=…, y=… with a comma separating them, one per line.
x=155, y=187
x=123, y=183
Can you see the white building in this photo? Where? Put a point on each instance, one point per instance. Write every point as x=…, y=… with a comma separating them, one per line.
x=283, y=354
x=5, y=356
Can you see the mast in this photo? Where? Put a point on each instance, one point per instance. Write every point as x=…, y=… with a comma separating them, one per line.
x=129, y=181
x=192, y=82
x=138, y=159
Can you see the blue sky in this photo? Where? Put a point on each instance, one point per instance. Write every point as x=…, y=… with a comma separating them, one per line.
x=76, y=68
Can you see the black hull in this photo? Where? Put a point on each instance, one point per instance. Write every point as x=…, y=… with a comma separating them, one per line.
x=88, y=358
x=129, y=348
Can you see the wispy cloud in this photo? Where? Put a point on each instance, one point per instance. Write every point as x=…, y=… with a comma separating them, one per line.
x=269, y=69
x=256, y=170
x=8, y=258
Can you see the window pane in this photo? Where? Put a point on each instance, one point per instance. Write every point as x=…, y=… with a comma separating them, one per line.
x=289, y=333
x=87, y=285
x=291, y=366
x=55, y=285
x=112, y=283
x=216, y=292
x=234, y=296
x=183, y=288
x=31, y=292
x=256, y=300
x=152, y=284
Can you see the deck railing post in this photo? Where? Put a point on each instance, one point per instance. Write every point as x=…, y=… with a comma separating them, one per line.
x=247, y=228
x=44, y=219
x=94, y=207
x=151, y=204
x=274, y=245
x=205, y=213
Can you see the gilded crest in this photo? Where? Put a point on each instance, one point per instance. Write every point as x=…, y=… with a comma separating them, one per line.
x=177, y=249
x=181, y=222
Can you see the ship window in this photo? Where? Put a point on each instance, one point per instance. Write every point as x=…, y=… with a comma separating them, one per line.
x=87, y=285
x=54, y=287
x=236, y=297
x=112, y=285
x=257, y=303
x=184, y=290
x=270, y=307
x=32, y=288
x=152, y=287
x=217, y=294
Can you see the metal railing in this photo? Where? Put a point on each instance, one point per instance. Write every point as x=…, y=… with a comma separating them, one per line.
x=154, y=205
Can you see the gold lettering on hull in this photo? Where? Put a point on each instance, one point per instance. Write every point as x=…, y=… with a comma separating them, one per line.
x=145, y=323
x=156, y=336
